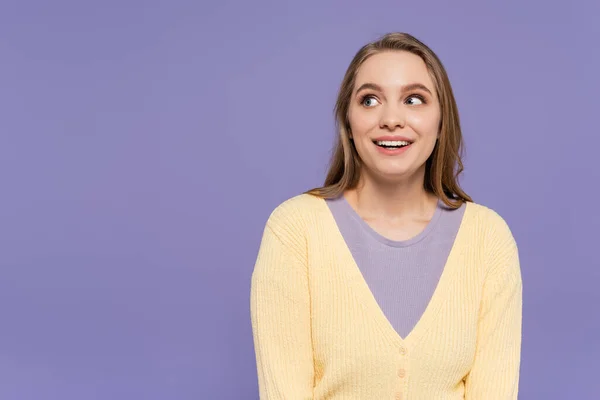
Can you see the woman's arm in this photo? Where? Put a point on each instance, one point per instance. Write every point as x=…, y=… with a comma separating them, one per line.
x=280, y=311
x=495, y=372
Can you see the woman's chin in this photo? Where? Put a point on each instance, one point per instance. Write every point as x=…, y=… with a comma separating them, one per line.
x=394, y=171
x=393, y=174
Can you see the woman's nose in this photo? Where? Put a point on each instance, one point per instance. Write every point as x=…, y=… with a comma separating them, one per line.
x=393, y=117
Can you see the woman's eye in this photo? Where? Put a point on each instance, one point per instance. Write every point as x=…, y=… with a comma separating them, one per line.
x=416, y=100
x=369, y=101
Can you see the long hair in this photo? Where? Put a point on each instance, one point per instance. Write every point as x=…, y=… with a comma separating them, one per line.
x=443, y=166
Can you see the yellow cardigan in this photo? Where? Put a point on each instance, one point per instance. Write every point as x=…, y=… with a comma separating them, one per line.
x=320, y=334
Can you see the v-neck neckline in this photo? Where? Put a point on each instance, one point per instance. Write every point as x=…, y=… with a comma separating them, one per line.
x=362, y=290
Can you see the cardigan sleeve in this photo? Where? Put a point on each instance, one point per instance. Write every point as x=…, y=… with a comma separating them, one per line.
x=495, y=371
x=280, y=314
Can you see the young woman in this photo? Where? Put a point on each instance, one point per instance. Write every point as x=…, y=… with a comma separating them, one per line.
x=389, y=282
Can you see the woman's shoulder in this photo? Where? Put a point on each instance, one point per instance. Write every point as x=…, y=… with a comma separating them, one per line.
x=296, y=211
x=491, y=224
x=498, y=244
x=487, y=215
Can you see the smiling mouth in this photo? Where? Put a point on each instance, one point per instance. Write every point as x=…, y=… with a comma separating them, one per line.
x=391, y=144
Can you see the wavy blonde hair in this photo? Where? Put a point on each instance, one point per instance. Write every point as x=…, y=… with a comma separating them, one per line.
x=443, y=166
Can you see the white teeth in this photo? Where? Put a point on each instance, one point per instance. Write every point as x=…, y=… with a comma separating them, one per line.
x=392, y=143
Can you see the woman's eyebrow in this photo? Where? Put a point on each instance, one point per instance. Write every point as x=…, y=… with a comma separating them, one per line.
x=371, y=86
x=405, y=88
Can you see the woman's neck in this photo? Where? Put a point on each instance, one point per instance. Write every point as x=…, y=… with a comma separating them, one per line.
x=392, y=201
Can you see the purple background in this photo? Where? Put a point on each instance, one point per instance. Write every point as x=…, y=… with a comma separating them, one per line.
x=144, y=143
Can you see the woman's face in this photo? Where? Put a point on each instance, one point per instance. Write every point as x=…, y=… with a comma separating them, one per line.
x=394, y=115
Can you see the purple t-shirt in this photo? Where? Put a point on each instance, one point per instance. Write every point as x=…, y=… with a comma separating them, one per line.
x=402, y=275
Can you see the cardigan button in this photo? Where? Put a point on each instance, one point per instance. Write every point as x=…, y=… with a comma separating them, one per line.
x=401, y=373
x=399, y=396
x=402, y=350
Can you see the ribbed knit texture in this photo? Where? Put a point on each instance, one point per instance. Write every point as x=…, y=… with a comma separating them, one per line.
x=320, y=334
x=401, y=274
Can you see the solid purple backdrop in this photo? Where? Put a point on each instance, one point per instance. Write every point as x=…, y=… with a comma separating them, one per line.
x=143, y=144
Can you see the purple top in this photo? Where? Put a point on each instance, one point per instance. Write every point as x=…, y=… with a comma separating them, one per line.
x=402, y=275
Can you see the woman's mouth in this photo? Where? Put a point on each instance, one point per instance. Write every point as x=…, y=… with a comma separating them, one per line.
x=392, y=147
x=391, y=144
